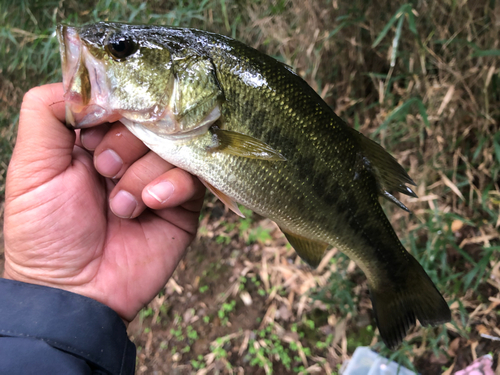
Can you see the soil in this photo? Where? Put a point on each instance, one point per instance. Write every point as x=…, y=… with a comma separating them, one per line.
x=201, y=311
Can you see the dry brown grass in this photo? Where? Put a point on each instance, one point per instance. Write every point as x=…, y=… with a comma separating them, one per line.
x=448, y=148
x=452, y=158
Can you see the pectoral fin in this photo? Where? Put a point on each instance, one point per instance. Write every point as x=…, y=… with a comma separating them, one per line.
x=243, y=145
x=223, y=198
x=309, y=250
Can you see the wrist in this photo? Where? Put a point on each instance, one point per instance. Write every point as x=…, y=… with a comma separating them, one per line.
x=11, y=274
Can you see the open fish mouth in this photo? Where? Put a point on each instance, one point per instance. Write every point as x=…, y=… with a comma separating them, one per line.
x=109, y=76
x=84, y=81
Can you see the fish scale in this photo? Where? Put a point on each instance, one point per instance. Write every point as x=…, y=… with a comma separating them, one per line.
x=282, y=138
x=255, y=133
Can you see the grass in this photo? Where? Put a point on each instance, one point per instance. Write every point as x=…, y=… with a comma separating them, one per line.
x=421, y=78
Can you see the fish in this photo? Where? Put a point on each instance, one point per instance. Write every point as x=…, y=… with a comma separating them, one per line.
x=255, y=133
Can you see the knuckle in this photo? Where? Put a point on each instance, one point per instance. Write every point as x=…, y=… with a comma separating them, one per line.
x=32, y=95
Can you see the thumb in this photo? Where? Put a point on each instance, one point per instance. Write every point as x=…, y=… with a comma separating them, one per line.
x=44, y=145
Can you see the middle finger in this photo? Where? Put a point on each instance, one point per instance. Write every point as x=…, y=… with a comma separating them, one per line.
x=126, y=198
x=117, y=151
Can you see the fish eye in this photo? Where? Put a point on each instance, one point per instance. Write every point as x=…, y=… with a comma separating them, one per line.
x=120, y=47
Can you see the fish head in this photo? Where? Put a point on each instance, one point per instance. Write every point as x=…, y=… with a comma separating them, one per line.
x=114, y=71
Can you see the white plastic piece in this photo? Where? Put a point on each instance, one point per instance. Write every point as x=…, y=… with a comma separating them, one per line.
x=366, y=362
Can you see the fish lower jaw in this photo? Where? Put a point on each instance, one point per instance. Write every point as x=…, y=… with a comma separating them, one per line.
x=150, y=137
x=87, y=116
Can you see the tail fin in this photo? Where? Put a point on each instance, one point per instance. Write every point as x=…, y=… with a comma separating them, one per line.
x=397, y=306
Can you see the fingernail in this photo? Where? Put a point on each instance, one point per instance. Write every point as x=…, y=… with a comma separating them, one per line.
x=123, y=204
x=161, y=191
x=91, y=138
x=108, y=163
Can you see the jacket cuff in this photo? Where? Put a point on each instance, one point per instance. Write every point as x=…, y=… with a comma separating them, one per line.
x=67, y=321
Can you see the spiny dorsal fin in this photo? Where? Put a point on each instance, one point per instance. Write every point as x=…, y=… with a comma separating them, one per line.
x=311, y=251
x=240, y=144
x=223, y=198
x=390, y=175
x=289, y=68
x=394, y=200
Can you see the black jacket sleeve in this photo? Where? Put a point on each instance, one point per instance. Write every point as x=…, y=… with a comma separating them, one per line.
x=51, y=331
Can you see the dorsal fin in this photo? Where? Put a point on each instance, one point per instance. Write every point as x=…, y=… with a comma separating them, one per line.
x=309, y=250
x=288, y=67
x=390, y=175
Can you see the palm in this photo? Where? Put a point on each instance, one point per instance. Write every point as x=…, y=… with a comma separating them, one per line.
x=60, y=232
x=87, y=246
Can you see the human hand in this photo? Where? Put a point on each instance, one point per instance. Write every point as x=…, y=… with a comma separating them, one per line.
x=59, y=228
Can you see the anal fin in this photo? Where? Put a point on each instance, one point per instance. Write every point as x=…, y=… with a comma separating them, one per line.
x=309, y=250
x=223, y=198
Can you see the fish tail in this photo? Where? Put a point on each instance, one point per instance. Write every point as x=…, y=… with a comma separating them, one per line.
x=398, y=304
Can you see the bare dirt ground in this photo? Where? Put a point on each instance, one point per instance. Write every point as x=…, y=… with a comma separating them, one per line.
x=209, y=276
x=422, y=79
x=187, y=323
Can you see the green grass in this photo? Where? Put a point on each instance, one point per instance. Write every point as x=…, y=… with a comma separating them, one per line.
x=421, y=78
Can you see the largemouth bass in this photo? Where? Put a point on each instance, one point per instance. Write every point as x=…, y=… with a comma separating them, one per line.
x=254, y=133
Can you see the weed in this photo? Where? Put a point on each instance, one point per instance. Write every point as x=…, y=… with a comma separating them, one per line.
x=146, y=313
x=259, y=234
x=225, y=310
x=421, y=78
x=223, y=239
x=203, y=288
x=198, y=363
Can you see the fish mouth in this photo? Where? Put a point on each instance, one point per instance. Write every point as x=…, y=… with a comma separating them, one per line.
x=84, y=82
